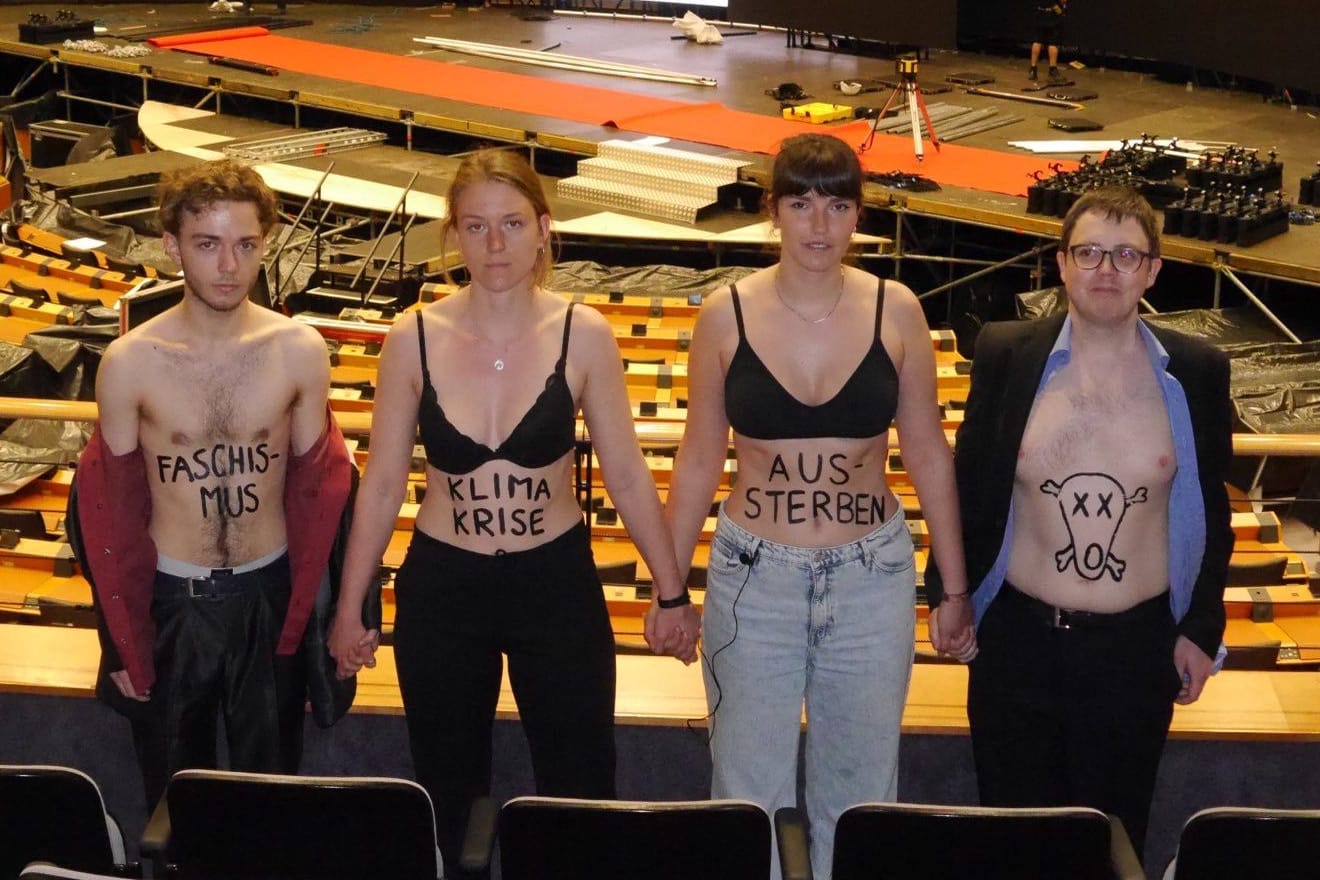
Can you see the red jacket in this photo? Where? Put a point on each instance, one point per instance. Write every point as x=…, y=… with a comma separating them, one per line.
x=114, y=511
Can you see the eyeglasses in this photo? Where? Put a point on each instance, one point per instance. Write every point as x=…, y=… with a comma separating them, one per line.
x=1124, y=259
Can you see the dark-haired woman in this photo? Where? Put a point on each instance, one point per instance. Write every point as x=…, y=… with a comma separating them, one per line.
x=811, y=579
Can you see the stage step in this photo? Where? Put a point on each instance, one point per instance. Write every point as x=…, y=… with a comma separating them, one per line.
x=659, y=182
x=663, y=180
x=671, y=160
x=636, y=199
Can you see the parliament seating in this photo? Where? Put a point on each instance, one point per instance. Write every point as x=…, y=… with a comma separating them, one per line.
x=1242, y=843
x=926, y=842
x=57, y=814
x=216, y=823
x=47, y=871
x=543, y=838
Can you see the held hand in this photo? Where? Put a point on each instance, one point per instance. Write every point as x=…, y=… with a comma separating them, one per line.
x=1194, y=667
x=673, y=631
x=121, y=680
x=953, y=630
x=352, y=645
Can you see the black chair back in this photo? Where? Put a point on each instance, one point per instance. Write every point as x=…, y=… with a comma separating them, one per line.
x=250, y=826
x=69, y=298
x=568, y=839
x=28, y=523
x=1257, y=570
x=33, y=292
x=76, y=256
x=1242, y=843
x=127, y=268
x=623, y=571
x=55, y=814
x=916, y=842
x=47, y=871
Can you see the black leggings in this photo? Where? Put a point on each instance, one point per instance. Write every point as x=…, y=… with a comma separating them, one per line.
x=457, y=613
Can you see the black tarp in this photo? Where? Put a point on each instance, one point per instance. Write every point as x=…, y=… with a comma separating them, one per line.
x=29, y=448
x=74, y=354
x=668, y=281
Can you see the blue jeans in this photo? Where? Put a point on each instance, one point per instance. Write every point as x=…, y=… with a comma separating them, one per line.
x=833, y=626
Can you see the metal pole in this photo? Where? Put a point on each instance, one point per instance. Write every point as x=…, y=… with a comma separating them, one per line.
x=85, y=100
x=13, y=93
x=898, y=245
x=1255, y=300
x=398, y=209
x=294, y=225
x=385, y=268
x=565, y=62
x=279, y=293
x=993, y=267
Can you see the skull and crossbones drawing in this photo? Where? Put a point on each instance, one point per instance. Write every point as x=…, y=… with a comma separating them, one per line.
x=1092, y=522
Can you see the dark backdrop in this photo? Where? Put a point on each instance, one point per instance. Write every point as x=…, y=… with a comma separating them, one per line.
x=914, y=22
x=1268, y=40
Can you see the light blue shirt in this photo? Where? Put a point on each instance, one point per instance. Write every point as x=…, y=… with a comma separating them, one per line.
x=1186, y=505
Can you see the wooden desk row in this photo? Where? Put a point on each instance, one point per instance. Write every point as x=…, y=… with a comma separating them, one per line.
x=1279, y=706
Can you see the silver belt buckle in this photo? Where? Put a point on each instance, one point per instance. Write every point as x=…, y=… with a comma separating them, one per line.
x=192, y=587
x=1060, y=622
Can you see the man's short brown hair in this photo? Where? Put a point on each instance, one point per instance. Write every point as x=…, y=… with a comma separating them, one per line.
x=1116, y=203
x=197, y=188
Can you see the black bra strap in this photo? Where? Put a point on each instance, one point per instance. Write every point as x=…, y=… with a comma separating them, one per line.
x=879, y=307
x=563, y=354
x=421, y=345
x=737, y=311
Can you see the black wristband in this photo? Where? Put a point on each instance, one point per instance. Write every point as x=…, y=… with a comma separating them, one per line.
x=683, y=598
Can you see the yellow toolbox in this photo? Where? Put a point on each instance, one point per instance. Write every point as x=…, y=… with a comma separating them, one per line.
x=818, y=112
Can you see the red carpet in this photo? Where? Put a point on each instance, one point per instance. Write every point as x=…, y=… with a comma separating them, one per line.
x=707, y=123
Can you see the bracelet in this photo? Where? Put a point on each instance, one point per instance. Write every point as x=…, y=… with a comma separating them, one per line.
x=954, y=597
x=683, y=598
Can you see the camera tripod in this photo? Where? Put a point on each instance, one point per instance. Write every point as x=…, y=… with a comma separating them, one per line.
x=909, y=92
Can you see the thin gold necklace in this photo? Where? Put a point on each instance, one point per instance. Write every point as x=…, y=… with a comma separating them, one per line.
x=779, y=292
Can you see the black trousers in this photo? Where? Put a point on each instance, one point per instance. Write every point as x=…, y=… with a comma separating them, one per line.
x=458, y=613
x=215, y=658
x=1076, y=716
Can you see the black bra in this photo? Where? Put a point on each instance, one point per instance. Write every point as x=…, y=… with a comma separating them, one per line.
x=758, y=406
x=543, y=435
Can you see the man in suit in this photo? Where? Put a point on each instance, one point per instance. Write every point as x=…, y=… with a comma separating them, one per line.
x=1091, y=467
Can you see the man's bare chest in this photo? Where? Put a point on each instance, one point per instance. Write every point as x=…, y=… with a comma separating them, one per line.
x=1118, y=429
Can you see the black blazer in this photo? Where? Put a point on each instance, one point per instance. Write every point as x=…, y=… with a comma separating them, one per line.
x=1006, y=369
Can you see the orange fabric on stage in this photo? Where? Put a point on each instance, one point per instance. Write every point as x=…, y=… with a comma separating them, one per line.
x=707, y=123
x=206, y=37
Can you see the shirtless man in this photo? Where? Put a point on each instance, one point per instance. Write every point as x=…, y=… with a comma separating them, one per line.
x=1091, y=469
x=213, y=441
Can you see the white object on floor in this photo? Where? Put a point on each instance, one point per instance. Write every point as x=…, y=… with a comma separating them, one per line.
x=694, y=27
x=1100, y=145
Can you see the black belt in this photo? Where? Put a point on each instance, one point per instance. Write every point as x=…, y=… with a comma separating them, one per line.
x=1065, y=618
x=221, y=582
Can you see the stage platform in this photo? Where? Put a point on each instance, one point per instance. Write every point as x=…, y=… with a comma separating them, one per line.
x=1130, y=103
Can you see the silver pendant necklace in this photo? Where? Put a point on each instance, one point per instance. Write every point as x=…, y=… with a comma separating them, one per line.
x=779, y=292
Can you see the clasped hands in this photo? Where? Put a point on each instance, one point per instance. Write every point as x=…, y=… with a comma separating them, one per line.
x=953, y=629
x=352, y=646
x=673, y=631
